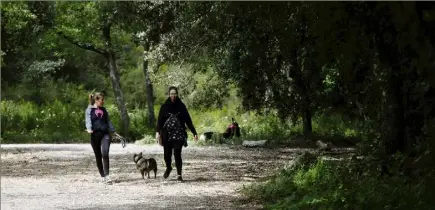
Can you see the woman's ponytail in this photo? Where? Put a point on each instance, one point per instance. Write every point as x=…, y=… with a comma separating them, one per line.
x=91, y=99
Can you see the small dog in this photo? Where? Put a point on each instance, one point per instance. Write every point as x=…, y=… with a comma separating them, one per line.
x=145, y=165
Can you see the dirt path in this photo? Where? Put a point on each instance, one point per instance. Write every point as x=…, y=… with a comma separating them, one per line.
x=66, y=177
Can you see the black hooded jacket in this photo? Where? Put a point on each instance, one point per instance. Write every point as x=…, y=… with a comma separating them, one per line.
x=176, y=107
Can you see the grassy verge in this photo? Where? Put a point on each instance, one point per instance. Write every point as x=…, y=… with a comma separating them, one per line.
x=313, y=183
x=58, y=122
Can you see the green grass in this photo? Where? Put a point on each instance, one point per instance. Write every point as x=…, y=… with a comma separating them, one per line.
x=58, y=122
x=313, y=183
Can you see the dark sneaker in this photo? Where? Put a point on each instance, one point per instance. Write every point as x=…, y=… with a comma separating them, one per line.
x=179, y=178
x=167, y=172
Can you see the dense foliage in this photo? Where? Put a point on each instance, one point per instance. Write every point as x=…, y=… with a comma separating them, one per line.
x=345, y=70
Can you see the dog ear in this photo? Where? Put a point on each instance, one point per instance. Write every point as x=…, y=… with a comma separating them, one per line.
x=140, y=154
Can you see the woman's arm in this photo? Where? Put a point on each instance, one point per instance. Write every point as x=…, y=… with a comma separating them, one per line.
x=159, y=126
x=88, y=121
x=160, y=120
x=189, y=122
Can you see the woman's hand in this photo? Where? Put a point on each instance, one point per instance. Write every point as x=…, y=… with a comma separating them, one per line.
x=89, y=131
x=195, y=138
x=118, y=138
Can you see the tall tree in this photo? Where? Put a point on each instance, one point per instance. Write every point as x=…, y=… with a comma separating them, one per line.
x=149, y=22
x=23, y=23
x=266, y=48
x=95, y=26
x=383, y=52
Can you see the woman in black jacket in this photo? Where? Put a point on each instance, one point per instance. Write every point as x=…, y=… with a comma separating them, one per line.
x=167, y=134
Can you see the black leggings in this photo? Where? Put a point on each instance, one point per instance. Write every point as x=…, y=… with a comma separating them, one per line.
x=100, y=143
x=167, y=153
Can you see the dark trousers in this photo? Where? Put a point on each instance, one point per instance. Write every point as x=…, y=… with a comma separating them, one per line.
x=100, y=143
x=176, y=146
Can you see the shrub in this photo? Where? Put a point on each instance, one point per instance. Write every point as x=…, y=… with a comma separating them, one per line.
x=348, y=184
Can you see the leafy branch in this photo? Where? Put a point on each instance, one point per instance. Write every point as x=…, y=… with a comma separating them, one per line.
x=86, y=46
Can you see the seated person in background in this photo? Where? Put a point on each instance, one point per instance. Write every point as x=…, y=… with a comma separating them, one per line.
x=232, y=129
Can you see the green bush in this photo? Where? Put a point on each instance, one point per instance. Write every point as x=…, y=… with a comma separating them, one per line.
x=58, y=122
x=334, y=125
x=60, y=115
x=64, y=122
x=138, y=120
x=350, y=184
x=55, y=122
x=20, y=117
x=147, y=139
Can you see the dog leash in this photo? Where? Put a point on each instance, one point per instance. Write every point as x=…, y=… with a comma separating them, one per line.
x=123, y=142
x=122, y=139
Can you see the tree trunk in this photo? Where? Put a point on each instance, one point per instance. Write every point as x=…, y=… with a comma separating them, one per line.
x=306, y=119
x=149, y=90
x=305, y=78
x=394, y=125
x=114, y=76
x=116, y=85
x=392, y=62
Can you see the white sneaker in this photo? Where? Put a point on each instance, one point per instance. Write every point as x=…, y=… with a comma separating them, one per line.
x=103, y=179
x=108, y=180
